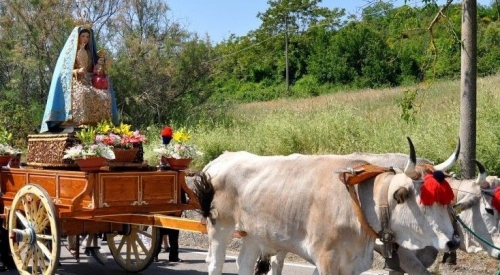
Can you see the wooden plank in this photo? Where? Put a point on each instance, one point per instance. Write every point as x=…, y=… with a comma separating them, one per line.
x=179, y=223
x=157, y=220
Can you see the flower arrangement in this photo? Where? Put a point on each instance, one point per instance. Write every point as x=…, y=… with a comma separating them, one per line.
x=5, y=148
x=175, y=145
x=118, y=136
x=89, y=146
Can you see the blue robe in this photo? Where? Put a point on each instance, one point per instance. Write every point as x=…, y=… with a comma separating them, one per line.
x=58, y=108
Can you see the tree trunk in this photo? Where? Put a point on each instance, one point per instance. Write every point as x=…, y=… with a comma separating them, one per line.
x=468, y=88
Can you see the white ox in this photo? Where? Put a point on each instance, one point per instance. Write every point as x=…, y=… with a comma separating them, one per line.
x=299, y=204
x=473, y=199
x=474, y=206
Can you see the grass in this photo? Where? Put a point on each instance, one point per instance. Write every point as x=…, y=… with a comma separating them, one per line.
x=359, y=121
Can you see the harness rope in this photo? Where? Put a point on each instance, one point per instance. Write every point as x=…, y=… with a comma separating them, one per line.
x=474, y=233
x=477, y=236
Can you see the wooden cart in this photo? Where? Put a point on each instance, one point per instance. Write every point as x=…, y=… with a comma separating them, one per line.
x=43, y=206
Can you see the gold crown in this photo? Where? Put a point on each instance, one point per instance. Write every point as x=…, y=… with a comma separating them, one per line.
x=101, y=53
x=82, y=24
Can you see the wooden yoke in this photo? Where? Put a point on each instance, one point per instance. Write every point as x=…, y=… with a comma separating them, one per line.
x=357, y=175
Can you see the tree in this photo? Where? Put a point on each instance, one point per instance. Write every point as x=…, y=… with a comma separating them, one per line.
x=468, y=78
x=160, y=69
x=297, y=18
x=468, y=88
x=32, y=34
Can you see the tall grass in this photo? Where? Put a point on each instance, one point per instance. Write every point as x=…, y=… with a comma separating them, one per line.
x=360, y=121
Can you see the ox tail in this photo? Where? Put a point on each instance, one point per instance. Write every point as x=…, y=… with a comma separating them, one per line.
x=204, y=192
x=263, y=265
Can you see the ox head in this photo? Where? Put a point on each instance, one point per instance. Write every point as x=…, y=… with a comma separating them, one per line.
x=415, y=224
x=477, y=205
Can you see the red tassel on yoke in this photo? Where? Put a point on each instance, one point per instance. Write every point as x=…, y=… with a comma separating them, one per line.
x=495, y=200
x=433, y=191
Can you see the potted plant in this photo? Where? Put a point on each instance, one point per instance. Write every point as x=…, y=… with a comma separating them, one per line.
x=125, y=142
x=176, y=148
x=90, y=155
x=6, y=150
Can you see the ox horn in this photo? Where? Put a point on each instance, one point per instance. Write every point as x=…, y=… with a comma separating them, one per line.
x=481, y=177
x=447, y=164
x=410, y=170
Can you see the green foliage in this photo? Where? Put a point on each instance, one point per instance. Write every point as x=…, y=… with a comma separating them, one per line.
x=408, y=106
x=165, y=74
x=5, y=136
x=362, y=121
x=87, y=135
x=356, y=55
x=489, y=49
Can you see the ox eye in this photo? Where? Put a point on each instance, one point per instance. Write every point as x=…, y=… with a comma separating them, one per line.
x=489, y=211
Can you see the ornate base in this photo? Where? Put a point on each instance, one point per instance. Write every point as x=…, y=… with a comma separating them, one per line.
x=47, y=150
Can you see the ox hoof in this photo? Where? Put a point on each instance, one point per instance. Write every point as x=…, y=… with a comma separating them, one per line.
x=450, y=258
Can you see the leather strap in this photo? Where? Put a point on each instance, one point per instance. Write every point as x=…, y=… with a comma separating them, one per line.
x=359, y=213
x=361, y=173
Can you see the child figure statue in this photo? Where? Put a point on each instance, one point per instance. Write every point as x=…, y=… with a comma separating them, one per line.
x=100, y=77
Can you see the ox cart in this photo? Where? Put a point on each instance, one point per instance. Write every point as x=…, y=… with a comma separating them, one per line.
x=41, y=207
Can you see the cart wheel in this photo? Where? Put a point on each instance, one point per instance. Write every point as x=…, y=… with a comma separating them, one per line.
x=93, y=248
x=34, y=235
x=134, y=252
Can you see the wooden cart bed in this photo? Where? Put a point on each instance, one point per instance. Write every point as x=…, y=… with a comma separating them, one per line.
x=42, y=205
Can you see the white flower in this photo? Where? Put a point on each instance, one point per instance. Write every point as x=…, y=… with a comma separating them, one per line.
x=178, y=150
x=93, y=150
x=8, y=150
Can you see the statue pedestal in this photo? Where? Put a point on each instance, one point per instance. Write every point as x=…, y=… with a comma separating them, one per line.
x=47, y=150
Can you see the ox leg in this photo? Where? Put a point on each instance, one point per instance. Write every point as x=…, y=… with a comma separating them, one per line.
x=218, y=236
x=277, y=263
x=249, y=253
x=416, y=262
x=450, y=258
x=324, y=266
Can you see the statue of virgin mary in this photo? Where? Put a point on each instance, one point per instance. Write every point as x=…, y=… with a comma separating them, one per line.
x=72, y=101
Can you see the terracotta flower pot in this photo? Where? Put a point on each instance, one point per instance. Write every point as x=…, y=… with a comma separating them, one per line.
x=92, y=164
x=125, y=155
x=4, y=160
x=179, y=164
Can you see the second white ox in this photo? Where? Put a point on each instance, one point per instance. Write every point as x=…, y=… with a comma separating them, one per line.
x=299, y=204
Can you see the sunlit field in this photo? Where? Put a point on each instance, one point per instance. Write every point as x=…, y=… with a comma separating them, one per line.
x=358, y=121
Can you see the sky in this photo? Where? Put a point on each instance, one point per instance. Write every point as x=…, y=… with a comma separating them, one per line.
x=221, y=18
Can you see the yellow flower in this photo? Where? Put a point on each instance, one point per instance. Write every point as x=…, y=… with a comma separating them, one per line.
x=123, y=129
x=181, y=136
x=104, y=127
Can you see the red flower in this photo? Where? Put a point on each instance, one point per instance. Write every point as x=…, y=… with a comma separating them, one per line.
x=108, y=141
x=166, y=132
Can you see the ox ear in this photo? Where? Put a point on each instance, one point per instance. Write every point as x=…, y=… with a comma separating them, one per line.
x=401, y=195
x=214, y=214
